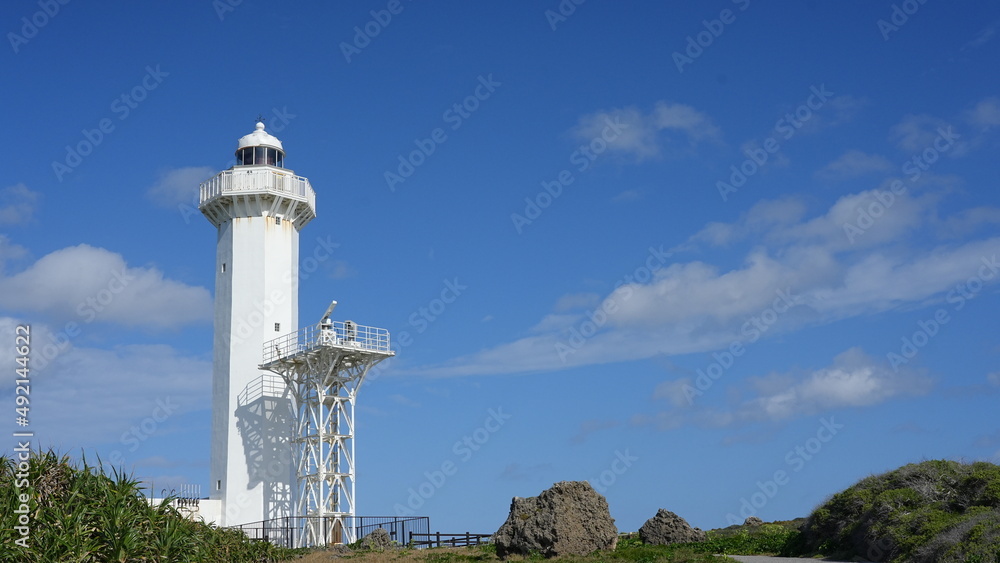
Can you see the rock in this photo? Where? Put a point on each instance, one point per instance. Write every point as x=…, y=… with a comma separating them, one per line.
x=338, y=550
x=753, y=521
x=377, y=540
x=570, y=518
x=667, y=527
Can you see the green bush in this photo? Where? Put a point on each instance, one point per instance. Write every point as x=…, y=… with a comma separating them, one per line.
x=83, y=515
x=763, y=540
x=932, y=511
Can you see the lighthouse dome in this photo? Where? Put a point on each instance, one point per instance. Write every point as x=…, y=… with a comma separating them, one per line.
x=260, y=147
x=259, y=138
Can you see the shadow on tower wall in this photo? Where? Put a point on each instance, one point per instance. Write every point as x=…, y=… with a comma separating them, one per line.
x=264, y=416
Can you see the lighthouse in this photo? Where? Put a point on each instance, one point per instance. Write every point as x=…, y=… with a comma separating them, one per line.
x=258, y=207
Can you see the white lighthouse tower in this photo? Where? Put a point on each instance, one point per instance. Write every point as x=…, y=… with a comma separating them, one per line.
x=258, y=207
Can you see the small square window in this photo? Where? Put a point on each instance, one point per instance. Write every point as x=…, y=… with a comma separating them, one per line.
x=277, y=327
x=277, y=220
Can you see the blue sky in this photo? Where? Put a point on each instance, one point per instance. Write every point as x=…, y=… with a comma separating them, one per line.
x=714, y=257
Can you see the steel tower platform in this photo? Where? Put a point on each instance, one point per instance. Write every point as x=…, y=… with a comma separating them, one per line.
x=323, y=366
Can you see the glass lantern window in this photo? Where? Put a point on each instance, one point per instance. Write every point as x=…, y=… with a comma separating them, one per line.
x=260, y=155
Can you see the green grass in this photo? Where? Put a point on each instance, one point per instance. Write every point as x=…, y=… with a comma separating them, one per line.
x=83, y=514
x=766, y=539
x=630, y=552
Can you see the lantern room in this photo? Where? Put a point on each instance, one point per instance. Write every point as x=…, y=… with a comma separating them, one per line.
x=260, y=148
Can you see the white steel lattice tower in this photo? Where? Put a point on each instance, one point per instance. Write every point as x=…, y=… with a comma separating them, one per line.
x=258, y=207
x=324, y=366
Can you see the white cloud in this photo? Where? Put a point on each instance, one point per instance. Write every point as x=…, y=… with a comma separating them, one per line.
x=854, y=163
x=776, y=160
x=663, y=420
x=845, y=108
x=969, y=220
x=698, y=292
x=627, y=196
x=684, y=118
x=591, y=426
x=986, y=114
x=10, y=251
x=764, y=216
x=340, y=269
x=902, y=215
x=696, y=306
x=87, y=396
x=983, y=37
x=84, y=283
x=179, y=186
x=674, y=391
x=643, y=135
x=916, y=133
x=854, y=380
x=403, y=400
x=17, y=204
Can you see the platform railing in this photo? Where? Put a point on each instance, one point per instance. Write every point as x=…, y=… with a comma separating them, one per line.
x=345, y=334
x=267, y=385
x=263, y=179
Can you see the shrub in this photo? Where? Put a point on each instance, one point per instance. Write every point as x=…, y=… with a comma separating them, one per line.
x=85, y=515
x=931, y=511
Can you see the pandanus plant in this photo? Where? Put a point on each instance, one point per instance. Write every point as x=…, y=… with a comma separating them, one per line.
x=84, y=514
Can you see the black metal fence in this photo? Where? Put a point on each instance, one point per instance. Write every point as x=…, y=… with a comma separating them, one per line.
x=437, y=539
x=283, y=531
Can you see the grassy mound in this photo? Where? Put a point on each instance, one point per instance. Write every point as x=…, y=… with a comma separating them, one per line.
x=84, y=515
x=930, y=511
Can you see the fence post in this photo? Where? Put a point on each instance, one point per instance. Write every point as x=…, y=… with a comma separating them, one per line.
x=439, y=539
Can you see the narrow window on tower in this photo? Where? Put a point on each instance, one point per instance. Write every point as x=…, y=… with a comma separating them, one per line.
x=218, y=485
x=223, y=267
x=277, y=327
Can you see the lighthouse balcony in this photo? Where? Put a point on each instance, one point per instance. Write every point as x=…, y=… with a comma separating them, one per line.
x=347, y=337
x=257, y=182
